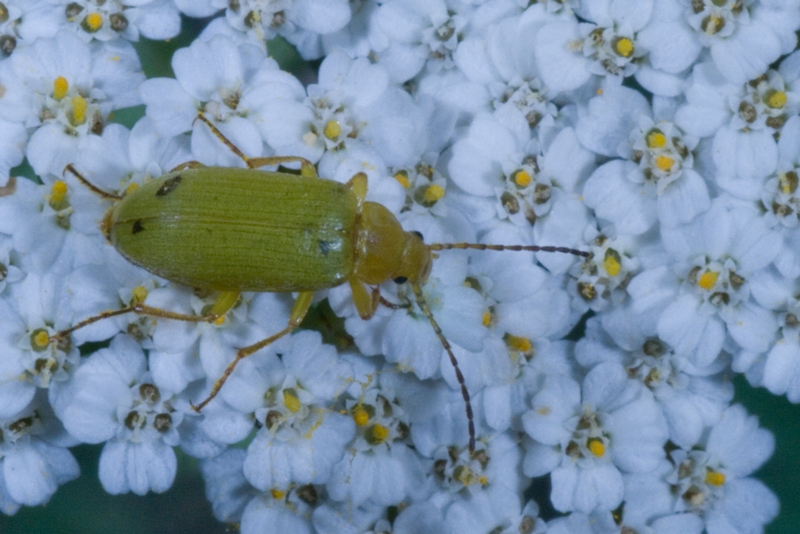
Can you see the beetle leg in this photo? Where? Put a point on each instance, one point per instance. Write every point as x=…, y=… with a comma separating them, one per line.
x=358, y=185
x=306, y=167
x=10, y=187
x=391, y=305
x=365, y=302
x=96, y=190
x=226, y=301
x=299, y=311
x=187, y=165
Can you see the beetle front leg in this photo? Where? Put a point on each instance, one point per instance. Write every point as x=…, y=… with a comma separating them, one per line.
x=299, y=311
x=366, y=302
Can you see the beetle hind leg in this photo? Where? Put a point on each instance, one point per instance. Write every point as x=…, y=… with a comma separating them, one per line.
x=225, y=301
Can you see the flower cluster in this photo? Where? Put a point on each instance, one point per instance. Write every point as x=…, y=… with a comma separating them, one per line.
x=499, y=122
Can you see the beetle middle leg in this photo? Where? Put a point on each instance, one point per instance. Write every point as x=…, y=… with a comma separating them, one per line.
x=299, y=311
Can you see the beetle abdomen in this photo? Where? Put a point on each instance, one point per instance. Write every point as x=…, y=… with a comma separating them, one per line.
x=236, y=229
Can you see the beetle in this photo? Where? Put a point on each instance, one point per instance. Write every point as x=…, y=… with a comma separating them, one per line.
x=244, y=229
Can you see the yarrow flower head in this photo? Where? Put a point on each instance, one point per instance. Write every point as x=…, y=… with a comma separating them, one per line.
x=475, y=244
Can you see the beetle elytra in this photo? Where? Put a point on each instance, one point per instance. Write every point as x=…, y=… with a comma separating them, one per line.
x=234, y=229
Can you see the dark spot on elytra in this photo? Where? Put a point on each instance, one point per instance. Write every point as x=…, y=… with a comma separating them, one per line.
x=324, y=247
x=168, y=186
x=137, y=226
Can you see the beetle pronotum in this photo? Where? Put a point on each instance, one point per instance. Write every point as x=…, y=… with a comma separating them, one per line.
x=334, y=237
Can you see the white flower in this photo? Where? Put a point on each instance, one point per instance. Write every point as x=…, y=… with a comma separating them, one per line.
x=691, y=399
x=65, y=90
x=503, y=72
x=111, y=399
x=353, y=104
x=226, y=487
x=528, y=184
x=301, y=438
x=10, y=273
x=301, y=22
x=780, y=199
x=655, y=180
x=280, y=511
x=743, y=37
x=494, y=511
x=599, y=282
x=744, y=120
x=15, y=26
x=588, y=435
x=34, y=459
x=231, y=84
x=378, y=467
x=104, y=20
x=30, y=358
x=779, y=369
x=704, y=295
x=712, y=479
x=411, y=34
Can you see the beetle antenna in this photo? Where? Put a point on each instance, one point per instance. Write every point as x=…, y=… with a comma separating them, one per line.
x=460, y=377
x=516, y=248
x=96, y=190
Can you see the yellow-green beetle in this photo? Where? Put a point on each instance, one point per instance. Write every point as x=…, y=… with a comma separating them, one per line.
x=236, y=229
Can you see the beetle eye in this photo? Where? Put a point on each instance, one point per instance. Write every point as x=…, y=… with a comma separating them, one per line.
x=400, y=280
x=419, y=234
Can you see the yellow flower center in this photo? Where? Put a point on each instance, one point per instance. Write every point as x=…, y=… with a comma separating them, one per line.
x=139, y=294
x=715, y=478
x=93, y=22
x=291, y=401
x=58, y=193
x=664, y=163
x=360, y=416
x=624, y=47
x=656, y=139
x=379, y=433
x=775, y=99
x=332, y=130
x=433, y=193
x=60, y=87
x=41, y=339
x=521, y=344
x=611, y=263
x=597, y=447
x=708, y=280
x=522, y=179
x=79, y=109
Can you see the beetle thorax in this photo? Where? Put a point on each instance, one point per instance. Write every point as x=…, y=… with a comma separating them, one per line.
x=384, y=251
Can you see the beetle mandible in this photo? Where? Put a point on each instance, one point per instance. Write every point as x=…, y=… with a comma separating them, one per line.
x=235, y=229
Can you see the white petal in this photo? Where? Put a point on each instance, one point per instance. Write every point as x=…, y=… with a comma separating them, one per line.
x=683, y=199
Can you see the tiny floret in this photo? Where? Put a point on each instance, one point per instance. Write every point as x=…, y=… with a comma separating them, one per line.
x=60, y=87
